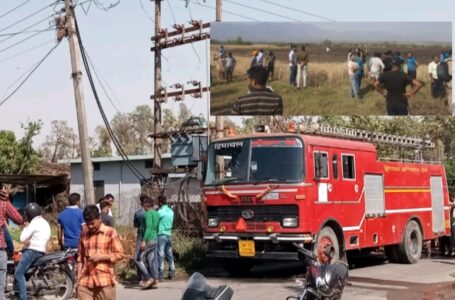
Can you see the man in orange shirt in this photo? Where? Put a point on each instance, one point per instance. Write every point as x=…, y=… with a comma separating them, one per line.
x=99, y=250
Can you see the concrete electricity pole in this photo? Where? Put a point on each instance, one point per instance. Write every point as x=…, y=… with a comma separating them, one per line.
x=157, y=88
x=219, y=120
x=80, y=104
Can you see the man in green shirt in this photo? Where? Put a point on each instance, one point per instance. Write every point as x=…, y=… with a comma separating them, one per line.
x=148, y=257
x=165, y=238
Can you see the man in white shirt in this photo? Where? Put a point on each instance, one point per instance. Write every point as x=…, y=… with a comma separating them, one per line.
x=376, y=66
x=293, y=65
x=35, y=236
x=260, y=58
x=437, y=86
x=354, y=85
x=109, y=198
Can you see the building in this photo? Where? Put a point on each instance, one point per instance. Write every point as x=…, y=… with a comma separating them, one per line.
x=112, y=175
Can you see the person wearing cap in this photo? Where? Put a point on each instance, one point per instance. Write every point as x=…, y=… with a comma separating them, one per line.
x=392, y=85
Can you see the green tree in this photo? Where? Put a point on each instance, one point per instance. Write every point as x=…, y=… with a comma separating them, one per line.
x=102, y=142
x=18, y=156
x=61, y=143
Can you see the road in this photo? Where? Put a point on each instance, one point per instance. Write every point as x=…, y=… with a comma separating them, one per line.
x=369, y=279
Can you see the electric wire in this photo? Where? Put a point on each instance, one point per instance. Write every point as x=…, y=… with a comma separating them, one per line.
x=26, y=31
x=263, y=10
x=13, y=9
x=28, y=17
x=27, y=50
x=23, y=40
x=172, y=11
x=28, y=76
x=117, y=144
x=145, y=11
x=299, y=10
x=225, y=11
x=11, y=35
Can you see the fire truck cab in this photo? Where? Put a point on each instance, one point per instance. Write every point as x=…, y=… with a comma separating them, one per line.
x=264, y=192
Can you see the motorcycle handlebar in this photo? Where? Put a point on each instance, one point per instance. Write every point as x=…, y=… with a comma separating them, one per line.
x=305, y=252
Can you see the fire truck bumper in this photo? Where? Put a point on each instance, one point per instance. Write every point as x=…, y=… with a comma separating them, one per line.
x=267, y=247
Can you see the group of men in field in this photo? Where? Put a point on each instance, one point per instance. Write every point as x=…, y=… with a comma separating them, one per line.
x=387, y=75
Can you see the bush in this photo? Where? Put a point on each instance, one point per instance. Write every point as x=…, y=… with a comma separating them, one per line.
x=189, y=252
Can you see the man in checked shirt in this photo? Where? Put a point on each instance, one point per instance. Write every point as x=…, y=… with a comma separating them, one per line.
x=99, y=250
x=7, y=210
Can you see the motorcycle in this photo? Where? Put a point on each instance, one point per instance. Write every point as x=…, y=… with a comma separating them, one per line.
x=198, y=288
x=50, y=275
x=323, y=280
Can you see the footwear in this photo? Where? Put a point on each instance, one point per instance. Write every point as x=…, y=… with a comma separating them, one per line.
x=149, y=284
x=141, y=283
x=170, y=277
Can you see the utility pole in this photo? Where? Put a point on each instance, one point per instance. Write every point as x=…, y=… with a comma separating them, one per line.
x=157, y=89
x=87, y=168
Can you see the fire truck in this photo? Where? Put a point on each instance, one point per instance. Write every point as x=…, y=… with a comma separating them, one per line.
x=265, y=191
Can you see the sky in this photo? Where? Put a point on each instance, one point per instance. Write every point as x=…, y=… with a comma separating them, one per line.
x=118, y=42
x=316, y=32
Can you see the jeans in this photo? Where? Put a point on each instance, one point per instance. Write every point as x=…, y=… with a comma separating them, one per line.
x=3, y=265
x=9, y=242
x=137, y=257
x=359, y=77
x=165, y=248
x=229, y=71
x=27, y=259
x=412, y=75
x=292, y=75
x=437, y=89
x=354, y=86
x=302, y=74
x=148, y=257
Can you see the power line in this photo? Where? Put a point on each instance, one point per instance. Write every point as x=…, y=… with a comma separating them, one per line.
x=100, y=83
x=26, y=51
x=23, y=40
x=117, y=144
x=172, y=11
x=26, y=31
x=226, y=11
x=145, y=11
x=11, y=35
x=299, y=10
x=28, y=76
x=263, y=10
x=29, y=16
x=13, y=9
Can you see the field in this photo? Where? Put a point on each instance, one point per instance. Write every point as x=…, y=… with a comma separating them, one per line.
x=327, y=92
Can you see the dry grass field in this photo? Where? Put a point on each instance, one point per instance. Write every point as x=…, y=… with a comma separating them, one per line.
x=328, y=87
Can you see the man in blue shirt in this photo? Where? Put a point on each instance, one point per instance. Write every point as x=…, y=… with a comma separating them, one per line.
x=70, y=222
x=412, y=67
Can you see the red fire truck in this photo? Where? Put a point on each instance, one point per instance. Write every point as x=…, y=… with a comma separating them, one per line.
x=263, y=192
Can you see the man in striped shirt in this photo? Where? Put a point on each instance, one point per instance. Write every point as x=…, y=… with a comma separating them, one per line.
x=260, y=99
x=99, y=250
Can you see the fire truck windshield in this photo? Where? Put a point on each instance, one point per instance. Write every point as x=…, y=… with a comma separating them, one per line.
x=255, y=161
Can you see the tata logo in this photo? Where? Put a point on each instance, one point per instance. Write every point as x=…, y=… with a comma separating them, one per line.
x=248, y=214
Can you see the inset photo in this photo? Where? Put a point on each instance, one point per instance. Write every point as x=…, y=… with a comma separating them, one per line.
x=331, y=68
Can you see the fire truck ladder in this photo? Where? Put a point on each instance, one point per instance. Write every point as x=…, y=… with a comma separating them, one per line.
x=371, y=136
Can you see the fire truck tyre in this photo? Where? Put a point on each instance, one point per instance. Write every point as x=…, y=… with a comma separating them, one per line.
x=327, y=236
x=238, y=267
x=391, y=252
x=410, y=248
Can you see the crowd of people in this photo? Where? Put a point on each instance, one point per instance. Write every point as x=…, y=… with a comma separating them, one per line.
x=91, y=231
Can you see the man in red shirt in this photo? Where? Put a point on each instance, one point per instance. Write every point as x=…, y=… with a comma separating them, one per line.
x=7, y=211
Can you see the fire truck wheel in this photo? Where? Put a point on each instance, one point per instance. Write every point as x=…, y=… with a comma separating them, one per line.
x=410, y=248
x=328, y=237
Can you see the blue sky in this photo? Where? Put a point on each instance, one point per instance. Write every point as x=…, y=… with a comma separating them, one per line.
x=118, y=42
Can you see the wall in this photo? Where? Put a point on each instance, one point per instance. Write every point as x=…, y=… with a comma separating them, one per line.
x=120, y=182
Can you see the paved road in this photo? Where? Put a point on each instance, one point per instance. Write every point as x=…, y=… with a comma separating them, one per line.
x=374, y=279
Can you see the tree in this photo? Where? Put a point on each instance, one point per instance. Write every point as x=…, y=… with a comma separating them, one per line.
x=18, y=156
x=141, y=119
x=124, y=132
x=102, y=143
x=61, y=143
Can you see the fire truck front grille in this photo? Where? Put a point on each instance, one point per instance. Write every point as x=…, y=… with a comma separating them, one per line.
x=269, y=213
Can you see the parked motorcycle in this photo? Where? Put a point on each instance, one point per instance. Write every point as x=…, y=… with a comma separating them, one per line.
x=198, y=288
x=323, y=281
x=50, y=275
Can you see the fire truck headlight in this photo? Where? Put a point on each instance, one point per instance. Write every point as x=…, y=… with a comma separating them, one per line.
x=290, y=222
x=212, y=222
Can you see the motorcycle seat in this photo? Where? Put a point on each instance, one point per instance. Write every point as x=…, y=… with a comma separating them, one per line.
x=49, y=257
